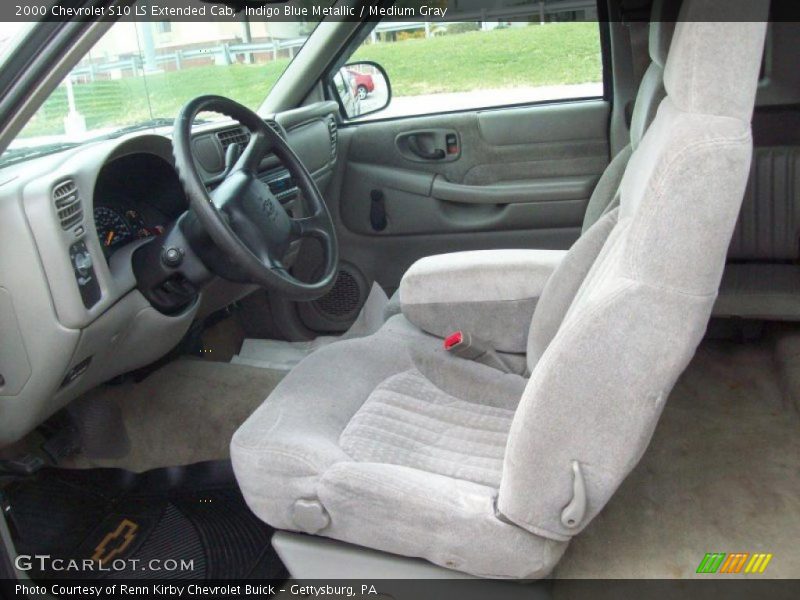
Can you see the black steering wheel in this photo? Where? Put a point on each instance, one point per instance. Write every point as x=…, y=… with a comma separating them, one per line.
x=242, y=216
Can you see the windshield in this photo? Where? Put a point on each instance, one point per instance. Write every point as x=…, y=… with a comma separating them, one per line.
x=139, y=75
x=10, y=34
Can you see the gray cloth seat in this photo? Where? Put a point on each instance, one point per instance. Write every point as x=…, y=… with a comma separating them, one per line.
x=605, y=196
x=357, y=423
x=409, y=421
x=388, y=442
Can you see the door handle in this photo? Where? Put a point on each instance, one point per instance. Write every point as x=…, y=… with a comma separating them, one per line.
x=414, y=146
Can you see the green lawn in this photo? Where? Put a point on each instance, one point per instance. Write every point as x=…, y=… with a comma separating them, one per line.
x=125, y=101
x=559, y=53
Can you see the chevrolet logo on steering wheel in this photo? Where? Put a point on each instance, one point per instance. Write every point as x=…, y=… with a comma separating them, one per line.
x=268, y=207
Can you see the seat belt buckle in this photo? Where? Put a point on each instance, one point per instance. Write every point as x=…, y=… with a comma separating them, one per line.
x=464, y=345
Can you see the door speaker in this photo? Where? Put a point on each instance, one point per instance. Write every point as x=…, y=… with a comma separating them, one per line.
x=340, y=306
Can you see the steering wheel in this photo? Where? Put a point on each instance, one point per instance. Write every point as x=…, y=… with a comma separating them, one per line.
x=242, y=216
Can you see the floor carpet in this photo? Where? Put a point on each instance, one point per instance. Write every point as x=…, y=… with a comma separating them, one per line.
x=722, y=474
x=185, y=412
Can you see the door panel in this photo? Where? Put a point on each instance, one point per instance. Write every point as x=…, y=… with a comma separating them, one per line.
x=415, y=202
x=531, y=169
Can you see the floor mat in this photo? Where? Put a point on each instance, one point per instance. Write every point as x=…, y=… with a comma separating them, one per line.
x=192, y=515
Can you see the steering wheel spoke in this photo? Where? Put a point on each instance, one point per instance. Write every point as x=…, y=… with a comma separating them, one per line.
x=255, y=151
x=226, y=195
x=313, y=227
x=279, y=268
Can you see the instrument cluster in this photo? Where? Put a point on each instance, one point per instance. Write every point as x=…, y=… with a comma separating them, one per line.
x=117, y=227
x=136, y=197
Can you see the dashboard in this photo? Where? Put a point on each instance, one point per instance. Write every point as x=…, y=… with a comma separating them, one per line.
x=71, y=314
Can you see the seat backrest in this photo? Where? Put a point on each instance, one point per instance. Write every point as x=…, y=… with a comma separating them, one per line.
x=651, y=92
x=597, y=391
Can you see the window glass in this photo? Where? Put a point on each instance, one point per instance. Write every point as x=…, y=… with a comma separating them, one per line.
x=140, y=74
x=10, y=34
x=465, y=65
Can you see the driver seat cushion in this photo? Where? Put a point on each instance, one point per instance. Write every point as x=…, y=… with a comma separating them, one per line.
x=381, y=457
x=409, y=421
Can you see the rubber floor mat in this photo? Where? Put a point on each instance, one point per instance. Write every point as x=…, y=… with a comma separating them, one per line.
x=187, y=522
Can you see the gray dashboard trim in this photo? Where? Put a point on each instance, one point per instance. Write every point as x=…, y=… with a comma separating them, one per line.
x=53, y=242
x=299, y=116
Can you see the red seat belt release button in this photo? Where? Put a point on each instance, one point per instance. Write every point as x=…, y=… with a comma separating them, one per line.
x=466, y=346
x=453, y=340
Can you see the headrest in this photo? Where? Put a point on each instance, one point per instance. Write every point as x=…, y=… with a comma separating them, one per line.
x=713, y=64
x=662, y=25
x=663, y=15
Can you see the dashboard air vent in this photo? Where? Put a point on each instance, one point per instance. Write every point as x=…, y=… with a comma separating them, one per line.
x=334, y=134
x=236, y=135
x=67, y=203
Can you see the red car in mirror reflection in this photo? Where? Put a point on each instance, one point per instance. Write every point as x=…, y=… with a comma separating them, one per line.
x=363, y=83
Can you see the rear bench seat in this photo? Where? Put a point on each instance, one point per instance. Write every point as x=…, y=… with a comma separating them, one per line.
x=762, y=277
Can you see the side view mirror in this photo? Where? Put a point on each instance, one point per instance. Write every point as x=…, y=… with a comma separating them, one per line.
x=363, y=88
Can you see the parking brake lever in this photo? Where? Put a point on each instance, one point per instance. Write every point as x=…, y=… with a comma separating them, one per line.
x=413, y=145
